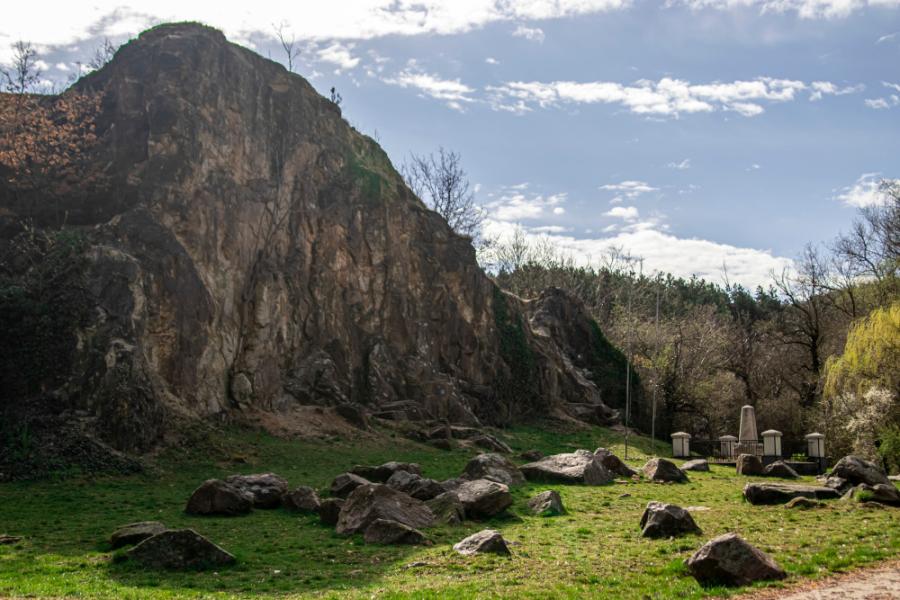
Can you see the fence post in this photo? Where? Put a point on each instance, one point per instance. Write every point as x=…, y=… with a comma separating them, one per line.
x=681, y=444
x=727, y=443
x=771, y=446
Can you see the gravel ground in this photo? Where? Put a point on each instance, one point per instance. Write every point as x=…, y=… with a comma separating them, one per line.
x=877, y=583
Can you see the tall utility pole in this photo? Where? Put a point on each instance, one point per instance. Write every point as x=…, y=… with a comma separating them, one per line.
x=628, y=371
x=656, y=378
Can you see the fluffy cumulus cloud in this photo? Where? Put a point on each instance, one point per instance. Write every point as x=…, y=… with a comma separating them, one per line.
x=339, y=55
x=866, y=191
x=806, y=9
x=667, y=97
x=517, y=204
x=630, y=189
x=450, y=91
x=628, y=213
x=534, y=34
x=892, y=100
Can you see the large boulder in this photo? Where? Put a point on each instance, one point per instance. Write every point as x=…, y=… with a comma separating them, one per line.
x=883, y=493
x=661, y=520
x=597, y=474
x=698, y=464
x=486, y=541
x=302, y=499
x=265, y=489
x=613, y=463
x=447, y=509
x=489, y=442
x=749, y=464
x=780, y=469
x=381, y=473
x=559, y=468
x=330, y=510
x=547, y=504
x=856, y=470
x=730, y=560
x=483, y=498
x=416, y=486
x=180, y=549
x=344, y=484
x=217, y=497
x=374, y=501
x=495, y=468
x=838, y=483
x=384, y=531
x=779, y=493
x=663, y=471
x=135, y=533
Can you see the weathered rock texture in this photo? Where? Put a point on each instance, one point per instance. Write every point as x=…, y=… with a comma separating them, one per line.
x=730, y=560
x=666, y=520
x=134, y=533
x=779, y=493
x=180, y=549
x=250, y=249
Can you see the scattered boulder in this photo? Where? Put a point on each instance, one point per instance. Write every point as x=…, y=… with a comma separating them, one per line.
x=613, y=463
x=559, y=468
x=489, y=442
x=6, y=540
x=384, y=531
x=532, y=455
x=493, y=467
x=779, y=493
x=857, y=470
x=217, y=497
x=416, y=486
x=447, y=508
x=804, y=503
x=730, y=560
x=883, y=493
x=344, y=484
x=374, y=501
x=453, y=483
x=780, y=469
x=381, y=473
x=330, y=510
x=749, y=464
x=661, y=520
x=302, y=499
x=486, y=541
x=596, y=474
x=135, y=533
x=547, y=504
x=837, y=483
x=265, y=489
x=698, y=464
x=662, y=470
x=483, y=498
x=180, y=549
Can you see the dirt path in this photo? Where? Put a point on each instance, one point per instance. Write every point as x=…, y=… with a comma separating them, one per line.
x=876, y=583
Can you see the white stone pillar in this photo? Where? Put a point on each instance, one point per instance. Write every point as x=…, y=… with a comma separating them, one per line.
x=681, y=444
x=815, y=443
x=728, y=444
x=771, y=443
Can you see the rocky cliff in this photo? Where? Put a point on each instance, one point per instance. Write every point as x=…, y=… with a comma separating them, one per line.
x=248, y=249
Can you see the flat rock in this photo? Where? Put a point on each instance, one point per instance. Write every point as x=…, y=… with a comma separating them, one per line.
x=613, y=463
x=493, y=467
x=6, y=540
x=486, y=541
x=730, y=560
x=883, y=493
x=447, y=508
x=330, y=510
x=180, y=549
x=559, y=468
x=483, y=498
x=780, y=469
x=803, y=503
x=779, y=493
x=547, y=504
x=302, y=499
x=375, y=501
x=265, y=489
x=384, y=531
x=749, y=464
x=217, y=497
x=344, y=484
x=662, y=470
x=857, y=470
x=661, y=520
x=381, y=473
x=698, y=464
x=135, y=533
x=416, y=486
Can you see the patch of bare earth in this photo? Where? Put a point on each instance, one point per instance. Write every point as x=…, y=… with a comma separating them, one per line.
x=876, y=583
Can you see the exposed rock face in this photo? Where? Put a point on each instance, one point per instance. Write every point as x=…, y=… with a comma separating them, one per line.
x=495, y=468
x=217, y=497
x=377, y=501
x=779, y=493
x=134, y=533
x=730, y=560
x=252, y=250
x=698, y=464
x=302, y=499
x=383, y=531
x=486, y=541
x=547, y=504
x=748, y=464
x=856, y=470
x=266, y=489
x=180, y=549
x=663, y=471
x=447, y=508
x=559, y=468
x=666, y=520
x=483, y=499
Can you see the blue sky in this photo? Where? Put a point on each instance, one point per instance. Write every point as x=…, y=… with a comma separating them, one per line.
x=692, y=133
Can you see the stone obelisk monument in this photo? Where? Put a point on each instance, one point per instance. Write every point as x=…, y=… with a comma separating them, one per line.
x=748, y=425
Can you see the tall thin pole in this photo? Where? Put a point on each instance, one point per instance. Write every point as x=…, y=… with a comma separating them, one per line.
x=628, y=373
x=656, y=374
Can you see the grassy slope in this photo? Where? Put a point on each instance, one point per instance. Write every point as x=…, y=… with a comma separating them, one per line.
x=594, y=551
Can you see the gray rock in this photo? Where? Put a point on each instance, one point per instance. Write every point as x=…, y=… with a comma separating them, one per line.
x=494, y=468
x=857, y=470
x=330, y=510
x=489, y=442
x=662, y=520
x=779, y=493
x=730, y=560
x=265, y=489
x=596, y=474
x=217, y=497
x=344, y=484
x=451, y=484
x=381, y=473
x=384, y=531
x=483, y=498
x=531, y=455
x=662, y=470
x=447, y=508
x=559, y=468
x=416, y=486
x=180, y=549
x=883, y=493
x=780, y=469
x=803, y=503
x=375, y=501
x=613, y=463
x=547, y=504
x=135, y=533
x=353, y=414
x=749, y=464
x=302, y=499
x=486, y=541
x=698, y=464
x=838, y=483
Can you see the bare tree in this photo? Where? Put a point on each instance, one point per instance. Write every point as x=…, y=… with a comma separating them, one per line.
x=102, y=55
x=443, y=185
x=291, y=52
x=24, y=75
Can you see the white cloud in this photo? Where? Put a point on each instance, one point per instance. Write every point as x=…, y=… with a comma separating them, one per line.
x=893, y=86
x=628, y=213
x=680, y=165
x=549, y=229
x=534, y=34
x=629, y=189
x=667, y=97
x=514, y=205
x=753, y=167
x=491, y=60
x=451, y=91
x=558, y=210
x=340, y=55
x=866, y=191
x=806, y=9
x=886, y=102
x=887, y=38
x=826, y=88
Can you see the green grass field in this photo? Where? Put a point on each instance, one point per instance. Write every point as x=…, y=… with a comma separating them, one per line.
x=594, y=551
